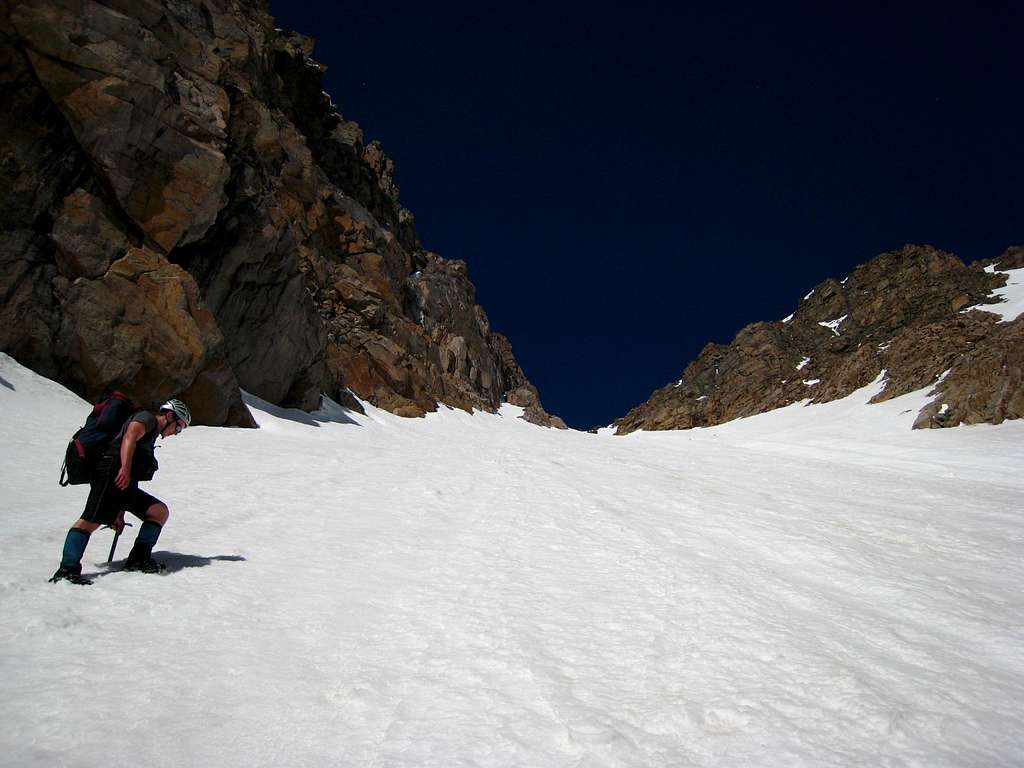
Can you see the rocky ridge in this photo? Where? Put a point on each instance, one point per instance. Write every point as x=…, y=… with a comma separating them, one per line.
x=918, y=314
x=183, y=210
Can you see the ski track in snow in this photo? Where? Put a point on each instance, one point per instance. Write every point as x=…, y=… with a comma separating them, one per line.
x=817, y=586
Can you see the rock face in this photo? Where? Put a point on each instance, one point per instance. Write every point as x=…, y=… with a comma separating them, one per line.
x=918, y=314
x=185, y=211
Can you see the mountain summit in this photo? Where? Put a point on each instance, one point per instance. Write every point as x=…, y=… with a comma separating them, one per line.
x=919, y=315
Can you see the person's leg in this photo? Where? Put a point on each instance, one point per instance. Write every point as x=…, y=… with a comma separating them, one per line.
x=74, y=547
x=97, y=509
x=154, y=514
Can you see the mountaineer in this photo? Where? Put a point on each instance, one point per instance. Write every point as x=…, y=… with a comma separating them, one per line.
x=114, y=488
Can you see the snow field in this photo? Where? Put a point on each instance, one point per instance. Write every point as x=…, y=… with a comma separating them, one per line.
x=816, y=586
x=1011, y=296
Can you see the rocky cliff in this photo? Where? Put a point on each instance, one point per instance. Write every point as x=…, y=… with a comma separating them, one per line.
x=183, y=211
x=918, y=314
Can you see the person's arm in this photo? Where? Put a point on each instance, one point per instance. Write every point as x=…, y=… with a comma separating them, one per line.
x=132, y=434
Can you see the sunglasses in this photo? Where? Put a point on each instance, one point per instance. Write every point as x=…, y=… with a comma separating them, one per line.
x=178, y=426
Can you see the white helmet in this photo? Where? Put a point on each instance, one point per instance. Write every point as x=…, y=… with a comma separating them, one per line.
x=179, y=409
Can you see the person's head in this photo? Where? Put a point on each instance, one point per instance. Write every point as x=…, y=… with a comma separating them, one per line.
x=176, y=417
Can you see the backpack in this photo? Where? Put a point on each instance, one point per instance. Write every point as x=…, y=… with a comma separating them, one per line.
x=89, y=442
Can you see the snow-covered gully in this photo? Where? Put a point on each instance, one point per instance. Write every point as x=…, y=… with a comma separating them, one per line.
x=817, y=586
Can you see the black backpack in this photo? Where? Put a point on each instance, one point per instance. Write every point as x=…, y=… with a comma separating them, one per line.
x=89, y=442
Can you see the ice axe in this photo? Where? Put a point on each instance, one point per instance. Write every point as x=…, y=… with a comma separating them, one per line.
x=113, y=544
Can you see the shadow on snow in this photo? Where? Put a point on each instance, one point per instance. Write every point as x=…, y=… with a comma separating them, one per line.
x=329, y=411
x=174, y=561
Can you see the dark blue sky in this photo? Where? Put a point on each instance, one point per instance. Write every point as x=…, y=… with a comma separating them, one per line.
x=629, y=182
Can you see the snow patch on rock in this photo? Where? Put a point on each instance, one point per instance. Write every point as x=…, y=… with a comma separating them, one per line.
x=833, y=325
x=1011, y=295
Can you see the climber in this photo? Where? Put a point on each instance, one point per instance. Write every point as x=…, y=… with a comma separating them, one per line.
x=114, y=488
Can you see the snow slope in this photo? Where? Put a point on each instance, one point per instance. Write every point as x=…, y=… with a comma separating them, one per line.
x=816, y=586
x=1011, y=295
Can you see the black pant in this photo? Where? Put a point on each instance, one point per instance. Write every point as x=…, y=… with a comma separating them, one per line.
x=106, y=500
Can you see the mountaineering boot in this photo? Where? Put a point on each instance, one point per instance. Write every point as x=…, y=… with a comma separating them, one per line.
x=141, y=558
x=72, y=573
x=71, y=560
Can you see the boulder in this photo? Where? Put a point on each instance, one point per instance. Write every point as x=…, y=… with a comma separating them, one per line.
x=86, y=240
x=142, y=328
